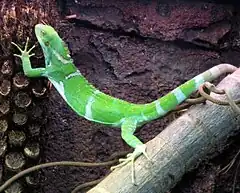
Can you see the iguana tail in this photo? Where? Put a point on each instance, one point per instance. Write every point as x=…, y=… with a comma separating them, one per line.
x=163, y=105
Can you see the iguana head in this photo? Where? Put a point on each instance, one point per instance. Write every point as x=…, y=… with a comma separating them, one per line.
x=54, y=48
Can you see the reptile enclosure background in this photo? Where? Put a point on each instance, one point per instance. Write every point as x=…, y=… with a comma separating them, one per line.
x=136, y=50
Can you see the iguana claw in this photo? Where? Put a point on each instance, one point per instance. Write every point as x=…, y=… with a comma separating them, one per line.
x=140, y=149
x=24, y=52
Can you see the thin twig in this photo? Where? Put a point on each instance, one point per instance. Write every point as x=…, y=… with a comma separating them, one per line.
x=228, y=167
x=85, y=185
x=235, y=178
x=45, y=165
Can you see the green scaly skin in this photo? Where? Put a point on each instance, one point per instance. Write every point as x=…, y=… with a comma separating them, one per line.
x=96, y=106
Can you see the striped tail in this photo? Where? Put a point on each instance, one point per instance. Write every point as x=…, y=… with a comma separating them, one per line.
x=168, y=102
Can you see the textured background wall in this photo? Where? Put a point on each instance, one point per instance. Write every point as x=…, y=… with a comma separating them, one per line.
x=136, y=50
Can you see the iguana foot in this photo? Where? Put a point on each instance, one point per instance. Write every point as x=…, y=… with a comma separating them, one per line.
x=24, y=53
x=140, y=149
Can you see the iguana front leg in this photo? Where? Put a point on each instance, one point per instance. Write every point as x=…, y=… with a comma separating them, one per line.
x=127, y=129
x=25, y=57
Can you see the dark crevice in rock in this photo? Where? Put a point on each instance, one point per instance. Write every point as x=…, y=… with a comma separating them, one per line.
x=132, y=33
x=182, y=43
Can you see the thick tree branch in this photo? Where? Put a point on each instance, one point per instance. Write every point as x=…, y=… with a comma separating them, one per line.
x=201, y=131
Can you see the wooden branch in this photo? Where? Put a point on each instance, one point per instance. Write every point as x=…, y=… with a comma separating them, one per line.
x=201, y=131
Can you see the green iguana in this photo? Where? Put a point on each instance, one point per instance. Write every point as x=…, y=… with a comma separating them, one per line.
x=96, y=106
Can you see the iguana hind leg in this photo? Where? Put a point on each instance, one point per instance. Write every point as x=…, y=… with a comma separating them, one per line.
x=128, y=128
